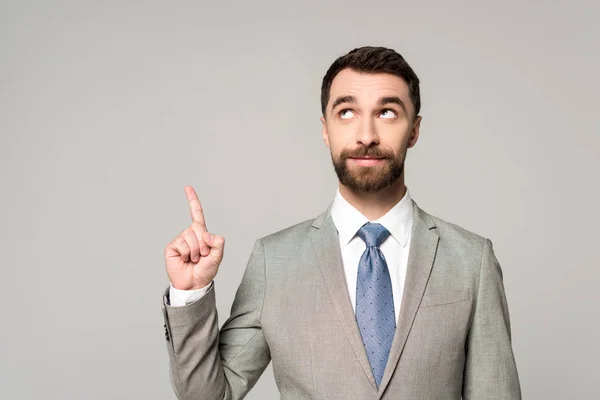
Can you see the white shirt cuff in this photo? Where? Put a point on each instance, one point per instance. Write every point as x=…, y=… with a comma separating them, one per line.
x=179, y=298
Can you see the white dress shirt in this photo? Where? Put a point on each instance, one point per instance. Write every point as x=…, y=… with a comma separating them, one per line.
x=178, y=297
x=398, y=221
x=348, y=220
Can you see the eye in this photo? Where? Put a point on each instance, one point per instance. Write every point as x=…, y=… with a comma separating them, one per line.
x=388, y=113
x=346, y=114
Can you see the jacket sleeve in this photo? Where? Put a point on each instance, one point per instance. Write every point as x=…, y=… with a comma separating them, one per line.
x=207, y=364
x=490, y=370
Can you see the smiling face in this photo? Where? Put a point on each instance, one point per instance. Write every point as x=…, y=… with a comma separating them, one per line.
x=369, y=124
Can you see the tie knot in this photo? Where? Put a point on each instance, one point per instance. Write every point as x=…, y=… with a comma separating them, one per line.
x=373, y=234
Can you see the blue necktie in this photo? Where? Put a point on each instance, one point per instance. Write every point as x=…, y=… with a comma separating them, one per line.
x=374, y=299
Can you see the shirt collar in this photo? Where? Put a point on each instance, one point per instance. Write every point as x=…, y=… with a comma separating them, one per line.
x=348, y=220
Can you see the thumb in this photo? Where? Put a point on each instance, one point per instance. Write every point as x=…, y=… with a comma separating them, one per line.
x=215, y=242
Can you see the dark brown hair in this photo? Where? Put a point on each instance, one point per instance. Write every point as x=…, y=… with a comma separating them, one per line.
x=371, y=59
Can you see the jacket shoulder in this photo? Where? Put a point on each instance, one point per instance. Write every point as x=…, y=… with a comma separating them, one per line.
x=292, y=233
x=456, y=238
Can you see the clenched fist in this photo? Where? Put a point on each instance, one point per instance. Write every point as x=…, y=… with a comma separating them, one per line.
x=194, y=256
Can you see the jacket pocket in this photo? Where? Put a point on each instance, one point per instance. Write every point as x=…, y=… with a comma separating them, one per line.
x=440, y=299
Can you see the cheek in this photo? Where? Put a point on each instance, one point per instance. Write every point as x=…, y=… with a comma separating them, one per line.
x=335, y=149
x=338, y=139
x=394, y=136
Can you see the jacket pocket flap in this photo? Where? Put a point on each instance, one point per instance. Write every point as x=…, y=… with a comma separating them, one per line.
x=439, y=299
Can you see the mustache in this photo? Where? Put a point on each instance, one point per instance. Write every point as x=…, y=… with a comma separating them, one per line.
x=365, y=152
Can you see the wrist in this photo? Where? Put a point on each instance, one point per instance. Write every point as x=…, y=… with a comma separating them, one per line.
x=197, y=286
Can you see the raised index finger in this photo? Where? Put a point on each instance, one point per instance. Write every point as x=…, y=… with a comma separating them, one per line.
x=195, y=206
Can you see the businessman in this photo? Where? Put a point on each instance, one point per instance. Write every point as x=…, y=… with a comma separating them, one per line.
x=372, y=299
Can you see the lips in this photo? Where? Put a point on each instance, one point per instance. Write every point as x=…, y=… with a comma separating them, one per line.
x=366, y=161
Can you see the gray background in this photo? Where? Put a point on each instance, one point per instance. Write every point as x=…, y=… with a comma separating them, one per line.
x=107, y=109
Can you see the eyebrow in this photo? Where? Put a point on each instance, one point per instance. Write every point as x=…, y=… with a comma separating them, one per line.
x=382, y=102
x=343, y=99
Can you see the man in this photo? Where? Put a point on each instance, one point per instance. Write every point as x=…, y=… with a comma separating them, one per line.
x=373, y=299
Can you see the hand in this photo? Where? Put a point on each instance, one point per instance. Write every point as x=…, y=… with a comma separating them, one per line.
x=194, y=256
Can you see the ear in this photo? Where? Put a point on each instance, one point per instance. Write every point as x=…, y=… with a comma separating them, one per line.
x=324, y=131
x=414, y=134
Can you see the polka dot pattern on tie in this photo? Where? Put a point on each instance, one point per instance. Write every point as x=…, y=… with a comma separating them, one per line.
x=374, y=299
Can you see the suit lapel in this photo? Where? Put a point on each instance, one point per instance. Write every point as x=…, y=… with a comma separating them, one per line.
x=423, y=246
x=325, y=241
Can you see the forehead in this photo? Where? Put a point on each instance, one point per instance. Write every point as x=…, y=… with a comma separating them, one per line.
x=368, y=87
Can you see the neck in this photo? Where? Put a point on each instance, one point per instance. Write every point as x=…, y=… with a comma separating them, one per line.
x=377, y=204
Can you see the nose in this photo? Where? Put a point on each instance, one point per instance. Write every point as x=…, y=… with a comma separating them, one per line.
x=367, y=133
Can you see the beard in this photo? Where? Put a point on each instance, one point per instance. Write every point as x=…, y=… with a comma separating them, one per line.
x=368, y=179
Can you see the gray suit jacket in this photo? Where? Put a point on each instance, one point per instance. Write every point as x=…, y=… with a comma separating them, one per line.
x=292, y=307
